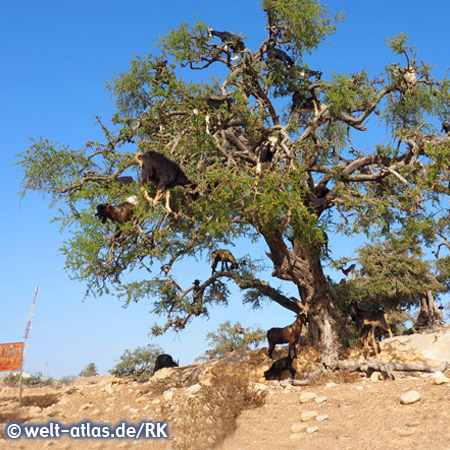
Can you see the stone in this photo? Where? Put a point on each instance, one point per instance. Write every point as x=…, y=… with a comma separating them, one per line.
x=442, y=379
x=295, y=437
x=299, y=427
x=168, y=395
x=312, y=430
x=193, y=389
x=308, y=415
x=410, y=397
x=321, y=418
x=376, y=376
x=320, y=399
x=306, y=397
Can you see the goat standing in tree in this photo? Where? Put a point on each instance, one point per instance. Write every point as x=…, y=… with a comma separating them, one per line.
x=160, y=170
x=225, y=257
x=367, y=322
x=287, y=335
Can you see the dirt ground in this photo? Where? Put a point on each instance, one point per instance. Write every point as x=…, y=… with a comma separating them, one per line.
x=353, y=412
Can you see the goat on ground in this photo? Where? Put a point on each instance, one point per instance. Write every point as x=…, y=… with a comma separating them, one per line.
x=287, y=335
x=278, y=367
x=156, y=168
x=225, y=257
x=163, y=361
x=367, y=322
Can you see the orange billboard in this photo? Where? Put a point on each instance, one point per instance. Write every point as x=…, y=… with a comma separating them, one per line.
x=11, y=356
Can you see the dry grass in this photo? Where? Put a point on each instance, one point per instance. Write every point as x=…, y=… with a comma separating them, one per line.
x=43, y=401
x=210, y=416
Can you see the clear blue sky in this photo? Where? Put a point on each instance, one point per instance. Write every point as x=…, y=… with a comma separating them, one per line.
x=55, y=58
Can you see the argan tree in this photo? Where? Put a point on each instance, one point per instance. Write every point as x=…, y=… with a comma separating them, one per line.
x=265, y=100
x=229, y=338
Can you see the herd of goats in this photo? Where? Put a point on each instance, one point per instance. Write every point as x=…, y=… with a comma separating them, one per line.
x=165, y=174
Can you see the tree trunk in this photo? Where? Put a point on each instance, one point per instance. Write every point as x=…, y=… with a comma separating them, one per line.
x=430, y=316
x=302, y=266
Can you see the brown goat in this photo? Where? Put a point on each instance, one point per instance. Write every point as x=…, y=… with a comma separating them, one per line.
x=225, y=257
x=119, y=213
x=287, y=335
x=367, y=322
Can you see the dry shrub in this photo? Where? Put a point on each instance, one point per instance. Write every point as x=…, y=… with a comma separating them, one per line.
x=209, y=416
x=43, y=401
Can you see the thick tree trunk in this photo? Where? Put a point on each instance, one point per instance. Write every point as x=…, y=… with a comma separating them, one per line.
x=302, y=266
x=430, y=316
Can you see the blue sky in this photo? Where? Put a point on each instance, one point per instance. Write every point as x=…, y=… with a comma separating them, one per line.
x=56, y=57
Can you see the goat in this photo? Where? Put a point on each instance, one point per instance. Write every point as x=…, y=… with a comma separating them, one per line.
x=119, y=213
x=213, y=104
x=265, y=156
x=278, y=367
x=276, y=53
x=348, y=270
x=225, y=257
x=240, y=330
x=304, y=104
x=445, y=126
x=367, y=322
x=287, y=335
x=160, y=170
x=229, y=39
x=163, y=361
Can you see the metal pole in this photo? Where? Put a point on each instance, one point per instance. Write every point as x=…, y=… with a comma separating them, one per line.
x=25, y=340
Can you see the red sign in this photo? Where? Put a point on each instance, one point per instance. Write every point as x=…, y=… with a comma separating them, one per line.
x=11, y=356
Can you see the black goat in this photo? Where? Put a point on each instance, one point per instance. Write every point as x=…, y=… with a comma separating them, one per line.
x=225, y=257
x=161, y=171
x=234, y=41
x=367, y=322
x=265, y=156
x=163, y=361
x=276, y=53
x=287, y=335
x=301, y=103
x=445, y=126
x=278, y=367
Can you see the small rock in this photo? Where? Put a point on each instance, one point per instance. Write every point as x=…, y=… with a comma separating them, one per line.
x=308, y=415
x=295, y=437
x=299, y=427
x=330, y=384
x=312, y=430
x=376, y=376
x=193, y=389
x=441, y=380
x=306, y=397
x=409, y=397
x=320, y=399
x=168, y=395
x=322, y=418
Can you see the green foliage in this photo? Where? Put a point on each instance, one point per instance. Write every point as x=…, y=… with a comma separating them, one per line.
x=320, y=180
x=139, y=360
x=229, y=338
x=89, y=371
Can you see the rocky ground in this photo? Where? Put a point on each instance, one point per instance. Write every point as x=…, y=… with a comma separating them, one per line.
x=226, y=404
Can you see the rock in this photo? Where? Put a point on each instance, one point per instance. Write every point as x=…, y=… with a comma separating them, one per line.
x=410, y=397
x=322, y=418
x=440, y=378
x=321, y=399
x=308, y=415
x=295, y=437
x=306, y=397
x=193, y=389
x=168, y=395
x=312, y=430
x=376, y=376
x=299, y=427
